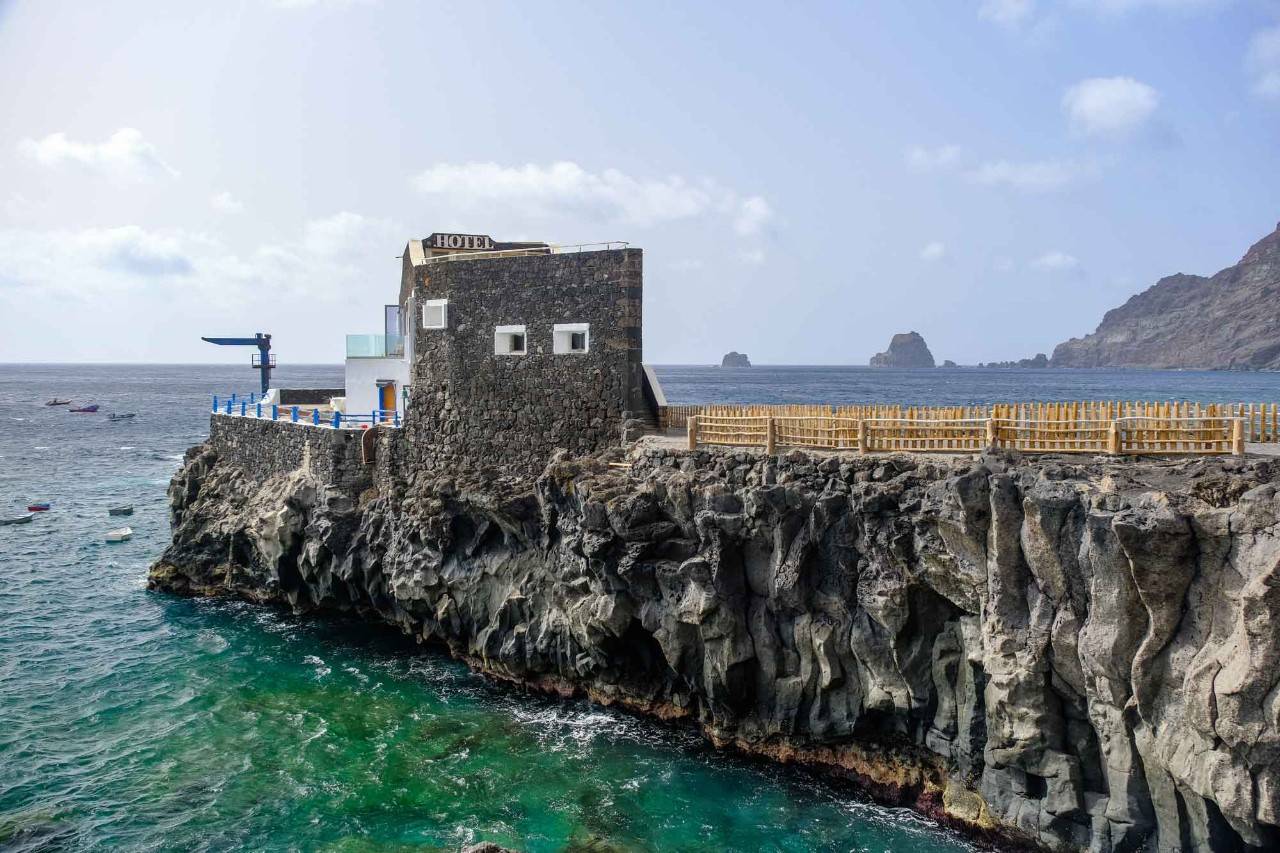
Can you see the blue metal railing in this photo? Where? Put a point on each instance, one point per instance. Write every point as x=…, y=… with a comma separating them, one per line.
x=251, y=406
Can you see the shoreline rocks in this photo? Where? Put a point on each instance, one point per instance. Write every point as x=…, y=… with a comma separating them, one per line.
x=1057, y=651
x=907, y=349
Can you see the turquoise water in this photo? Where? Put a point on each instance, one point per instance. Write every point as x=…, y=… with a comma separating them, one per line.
x=131, y=720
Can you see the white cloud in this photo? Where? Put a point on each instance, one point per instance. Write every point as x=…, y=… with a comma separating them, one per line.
x=1055, y=261
x=754, y=257
x=566, y=190
x=753, y=214
x=328, y=258
x=225, y=202
x=1263, y=62
x=125, y=154
x=1031, y=176
x=933, y=251
x=923, y=159
x=1109, y=106
x=1006, y=13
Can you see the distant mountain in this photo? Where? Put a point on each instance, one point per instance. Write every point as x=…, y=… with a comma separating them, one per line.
x=1231, y=320
x=907, y=349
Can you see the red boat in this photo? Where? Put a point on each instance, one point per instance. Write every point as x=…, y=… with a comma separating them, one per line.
x=85, y=409
x=40, y=506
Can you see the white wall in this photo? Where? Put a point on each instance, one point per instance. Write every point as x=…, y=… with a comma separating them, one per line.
x=363, y=375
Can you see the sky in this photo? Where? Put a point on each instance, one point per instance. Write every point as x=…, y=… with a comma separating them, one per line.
x=805, y=180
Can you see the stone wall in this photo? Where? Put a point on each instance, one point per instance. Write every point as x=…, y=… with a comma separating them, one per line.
x=473, y=408
x=265, y=448
x=308, y=396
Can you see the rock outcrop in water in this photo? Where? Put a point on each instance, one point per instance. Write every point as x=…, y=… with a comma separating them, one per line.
x=907, y=349
x=1081, y=655
x=735, y=359
x=1189, y=321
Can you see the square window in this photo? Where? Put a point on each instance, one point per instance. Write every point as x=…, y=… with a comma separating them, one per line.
x=435, y=314
x=570, y=338
x=509, y=340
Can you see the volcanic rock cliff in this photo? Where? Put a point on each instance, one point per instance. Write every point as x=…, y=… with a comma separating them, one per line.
x=906, y=349
x=1079, y=655
x=1227, y=321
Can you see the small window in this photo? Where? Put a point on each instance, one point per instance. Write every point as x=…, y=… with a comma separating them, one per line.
x=435, y=314
x=509, y=340
x=571, y=338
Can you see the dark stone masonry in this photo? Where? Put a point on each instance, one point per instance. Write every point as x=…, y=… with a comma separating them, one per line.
x=473, y=407
x=261, y=449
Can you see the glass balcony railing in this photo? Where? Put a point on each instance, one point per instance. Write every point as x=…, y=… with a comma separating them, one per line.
x=375, y=346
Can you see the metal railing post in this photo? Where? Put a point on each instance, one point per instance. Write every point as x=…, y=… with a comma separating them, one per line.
x=373, y=418
x=244, y=408
x=337, y=420
x=259, y=409
x=395, y=418
x=315, y=416
x=228, y=407
x=295, y=414
x=275, y=411
x=253, y=396
x=215, y=402
x=233, y=398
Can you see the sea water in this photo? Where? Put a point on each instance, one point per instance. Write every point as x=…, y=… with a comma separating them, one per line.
x=133, y=720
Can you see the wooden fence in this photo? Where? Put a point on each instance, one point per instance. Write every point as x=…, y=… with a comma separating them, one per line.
x=1084, y=427
x=1261, y=420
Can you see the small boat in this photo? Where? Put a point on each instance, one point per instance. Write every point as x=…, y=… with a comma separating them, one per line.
x=124, y=534
x=56, y=402
x=123, y=509
x=124, y=417
x=39, y=506
x=85, y=409
x=18, y=519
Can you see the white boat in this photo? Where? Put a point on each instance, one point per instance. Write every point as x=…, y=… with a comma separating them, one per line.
x=124, y=534
x=18, y=519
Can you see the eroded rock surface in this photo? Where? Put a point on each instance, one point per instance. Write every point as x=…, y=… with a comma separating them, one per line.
x=1083, y=655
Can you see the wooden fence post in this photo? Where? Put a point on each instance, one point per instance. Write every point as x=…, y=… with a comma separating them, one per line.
x=862, y=436
x=1237, y=437
x=693, y=432
x=991, y=433
x=770, y=437
x=1113, y=438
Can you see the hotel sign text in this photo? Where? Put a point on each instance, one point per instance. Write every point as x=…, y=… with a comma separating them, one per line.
x=474, y=242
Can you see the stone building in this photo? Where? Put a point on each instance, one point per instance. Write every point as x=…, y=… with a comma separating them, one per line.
x=517, y=356
x=500, y=353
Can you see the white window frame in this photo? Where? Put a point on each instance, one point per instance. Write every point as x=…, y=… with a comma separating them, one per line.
x=443, y=305
x=562, y=338
x=502, y=336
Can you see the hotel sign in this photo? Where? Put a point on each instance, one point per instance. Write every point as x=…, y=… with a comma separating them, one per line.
x=472, y=242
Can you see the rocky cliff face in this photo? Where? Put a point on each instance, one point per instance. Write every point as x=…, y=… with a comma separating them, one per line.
x=907, y=349
x=1227, y=321
x=1080, y=655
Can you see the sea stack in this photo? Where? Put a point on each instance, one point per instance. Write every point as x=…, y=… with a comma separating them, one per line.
x=907, y=349
x=735, y=359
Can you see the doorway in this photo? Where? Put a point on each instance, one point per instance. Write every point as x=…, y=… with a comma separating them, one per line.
x=386, y=399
